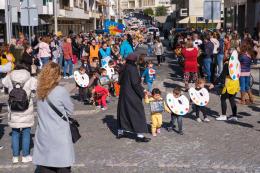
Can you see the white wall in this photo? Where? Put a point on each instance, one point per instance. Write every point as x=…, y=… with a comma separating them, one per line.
x=196, y=8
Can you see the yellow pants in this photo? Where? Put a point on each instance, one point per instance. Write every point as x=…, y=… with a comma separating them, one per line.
x=156, y=122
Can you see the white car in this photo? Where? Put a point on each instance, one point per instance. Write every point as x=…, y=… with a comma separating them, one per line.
x=152, y=29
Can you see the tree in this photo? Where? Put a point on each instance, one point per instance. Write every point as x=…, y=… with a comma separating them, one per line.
x=148, y=12
x=161, y=11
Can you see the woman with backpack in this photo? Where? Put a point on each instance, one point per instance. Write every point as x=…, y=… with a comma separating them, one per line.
x=21, y=86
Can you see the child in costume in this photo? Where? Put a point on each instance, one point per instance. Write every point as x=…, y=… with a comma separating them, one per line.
x=104, y=80
x=149, y=76
x=82, y=90
x=100, y=96
x=200, y=84
x=176, y=93
x=157, y=105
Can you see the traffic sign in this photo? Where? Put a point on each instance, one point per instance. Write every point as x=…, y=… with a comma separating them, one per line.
x=212, y=9
x=29, y=13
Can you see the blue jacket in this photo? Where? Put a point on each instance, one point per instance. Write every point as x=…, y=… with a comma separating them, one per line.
x=245, y=62
x=125, y=49
x=147, y=77
x=105, y=53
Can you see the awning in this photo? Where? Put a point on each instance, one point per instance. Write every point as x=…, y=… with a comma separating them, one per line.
x=161, y=19
x=192, y=19
x=185, y=20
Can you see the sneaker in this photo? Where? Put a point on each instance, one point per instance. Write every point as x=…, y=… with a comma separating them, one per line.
x=169, y=129
x=1, y=147
x=198, y=120
x=27, y=159
x=206, y=120
x=181, y=133
x=65, y=77
x=232, y=119
x=15, y=159
x=98, y=107
x=104, y=108
x=222, y=118
x=71, y=77
x=158, y=131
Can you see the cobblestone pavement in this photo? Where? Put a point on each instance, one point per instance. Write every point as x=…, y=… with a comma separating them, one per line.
x=213, y=147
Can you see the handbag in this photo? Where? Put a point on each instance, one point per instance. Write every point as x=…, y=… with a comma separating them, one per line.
x=72, y=122
x=33, y=68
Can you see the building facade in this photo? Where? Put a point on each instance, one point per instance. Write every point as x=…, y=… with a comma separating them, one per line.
x=73, y=16
x=192, y=12
x=143, y=4
x=242, y=14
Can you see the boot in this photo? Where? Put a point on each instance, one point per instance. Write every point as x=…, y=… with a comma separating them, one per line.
x=243, y=98
x=251, y=97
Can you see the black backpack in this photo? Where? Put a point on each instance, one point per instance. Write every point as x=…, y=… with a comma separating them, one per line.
x=18, y=100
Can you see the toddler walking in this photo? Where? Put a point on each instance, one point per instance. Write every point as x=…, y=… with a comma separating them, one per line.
x=157, y=106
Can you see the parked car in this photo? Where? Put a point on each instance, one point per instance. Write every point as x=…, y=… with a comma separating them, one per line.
x=152, y=29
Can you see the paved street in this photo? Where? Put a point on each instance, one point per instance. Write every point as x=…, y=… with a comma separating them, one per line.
x=204, y=147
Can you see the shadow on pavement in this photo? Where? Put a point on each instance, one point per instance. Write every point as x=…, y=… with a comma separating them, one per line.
x=244, y=114
x=111, y=123
x=254, y=108
x=208, y=112
x=171, y=85
x=240, y=124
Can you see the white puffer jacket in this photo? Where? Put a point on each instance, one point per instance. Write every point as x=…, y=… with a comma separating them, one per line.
x=26, y=118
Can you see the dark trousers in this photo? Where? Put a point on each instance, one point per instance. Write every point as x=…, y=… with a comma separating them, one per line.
x=232, y=102
x=82, y=93
x=44, y=169
x=213, y=67
x=159, y=59
x=199, y=109
x=175, y=117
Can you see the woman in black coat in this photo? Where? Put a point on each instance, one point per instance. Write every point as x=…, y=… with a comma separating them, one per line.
x=28, y=59
x=130, y=110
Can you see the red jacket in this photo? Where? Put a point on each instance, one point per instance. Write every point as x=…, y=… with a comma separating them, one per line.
x=190, y=60
x=67, y=51
x=99, y=90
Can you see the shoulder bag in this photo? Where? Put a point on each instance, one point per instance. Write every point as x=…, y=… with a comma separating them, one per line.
x=72, y=122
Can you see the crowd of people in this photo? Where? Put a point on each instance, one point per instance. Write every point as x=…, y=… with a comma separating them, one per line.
x=114, y=70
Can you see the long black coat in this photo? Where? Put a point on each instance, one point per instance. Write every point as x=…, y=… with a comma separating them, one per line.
x=130, y=110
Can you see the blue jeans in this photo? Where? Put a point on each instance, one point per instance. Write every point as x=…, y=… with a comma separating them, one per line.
x=220, y=58
x=150, y=86
x=60, y=59
x=149, y=50
x=244, y=83
x=45, y=60
x=25, y=141
x=66, y=64
x=207, y=68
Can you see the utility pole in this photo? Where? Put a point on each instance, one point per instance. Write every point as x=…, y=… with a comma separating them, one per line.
x=55, y=17
x=8, y=22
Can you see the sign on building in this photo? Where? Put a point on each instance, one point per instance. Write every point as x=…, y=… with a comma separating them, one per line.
x=29, y=13
x=212, y=9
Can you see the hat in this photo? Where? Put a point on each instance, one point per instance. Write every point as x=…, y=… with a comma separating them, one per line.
x=132, y=57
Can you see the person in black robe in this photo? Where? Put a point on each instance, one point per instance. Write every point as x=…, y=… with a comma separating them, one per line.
x=130, y=110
